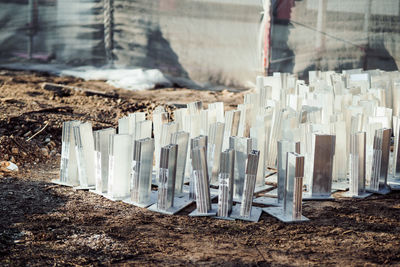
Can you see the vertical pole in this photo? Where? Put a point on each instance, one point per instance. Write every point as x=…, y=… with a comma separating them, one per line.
x=166, y=187
x=284, y=146
x=181, y=139
x=294, y=185
x=199, y=162
x=249, y=183
x=225, y=193
x=357, y=163
x=216, y=137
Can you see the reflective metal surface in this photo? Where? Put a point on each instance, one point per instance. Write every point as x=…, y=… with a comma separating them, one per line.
x=249, y=183
x=166, y=178
x=225, y=191
x=380, y=164
x=102, y=138
x=181, y=139
x=142, y=166
x=215, y=140
x=242, y=147
x=120, y=161
x=68, y=163
x=84, y=147
x=201, y=181
x=324, y=150
x=284, y=147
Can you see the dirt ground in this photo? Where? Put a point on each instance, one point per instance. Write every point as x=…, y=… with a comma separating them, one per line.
x=45, y=224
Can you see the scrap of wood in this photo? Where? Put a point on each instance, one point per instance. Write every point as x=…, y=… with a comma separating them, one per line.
x=61, y=88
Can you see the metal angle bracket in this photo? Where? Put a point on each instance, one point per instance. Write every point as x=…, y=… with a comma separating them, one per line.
x=255, y=214
x=153, y=199
x=383, y=191
x=279, y=213
x=215, y=207
x=179, y=204
x=210, y=213
x=309, y=196
x=394, y=183
x=81, y=187
x=360, y=196
x=58, y=182
x=267, y=201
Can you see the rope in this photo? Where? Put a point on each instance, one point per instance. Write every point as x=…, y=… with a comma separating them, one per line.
x=108, y=29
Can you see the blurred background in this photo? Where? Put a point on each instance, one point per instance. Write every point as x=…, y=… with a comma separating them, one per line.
x=208, y=42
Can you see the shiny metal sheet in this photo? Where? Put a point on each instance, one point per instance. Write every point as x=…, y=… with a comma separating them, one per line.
x=249, y=183
x=215, y=140
x=181, y=139
x=242, y=147
x=120, y=165
x=380, y=164
x=166, y=177
x=84, y=148
x=226, y=176
x=141, y=172
x=201, y=181
x=284, y=147
x=323, y=152
x=102, y=138
x=68, y=164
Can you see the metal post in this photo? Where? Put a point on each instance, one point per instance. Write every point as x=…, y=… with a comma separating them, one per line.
x=101, y=145
x=120, y=165
x=166, y=181
x=323, y=147
x=242, y=147
x=284, y=146
x=84, y=148
x=142, y=166
x=68, y=163
x=249, y=183
x=225, y=193
x=203, y=198
x=380, y=164
x=181, y=139
x=292, y=205
x=232, y=119
x=214, y=150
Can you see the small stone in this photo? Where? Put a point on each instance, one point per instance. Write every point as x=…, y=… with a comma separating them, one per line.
x=45, y=151
x=15, y=150
x=47, y=140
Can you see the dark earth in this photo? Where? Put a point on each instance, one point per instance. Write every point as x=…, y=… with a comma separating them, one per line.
x=46, y=224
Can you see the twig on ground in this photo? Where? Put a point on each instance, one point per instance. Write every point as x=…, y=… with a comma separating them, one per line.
x=41, y=130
